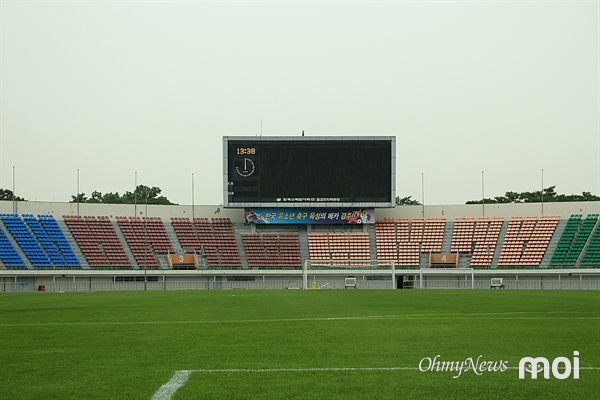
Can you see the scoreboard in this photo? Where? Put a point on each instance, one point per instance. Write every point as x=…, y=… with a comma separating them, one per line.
x=309, y=171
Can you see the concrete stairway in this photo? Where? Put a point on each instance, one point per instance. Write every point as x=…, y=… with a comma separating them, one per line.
x=173, y=237
x=587, y=243
x=464, y=260
x=560, y=227
x=448, y=229
x=424, y=260
x=499, y=244
x=71, y=240
x=370, y=229
x=304, y=253
x=11, y=239
x=162, y=260
x=239, y=229
x=124, y=244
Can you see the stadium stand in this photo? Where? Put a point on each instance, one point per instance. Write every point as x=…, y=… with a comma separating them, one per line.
x=9, y=257
x=336, y=249
x=402, y=240
x=527, y=240
x=98, y=241
x=145, y=237
x=573, y=239
x=52, y=240
x=26, y=241
x=215, y=240
x=478, y=236
x=272, y=250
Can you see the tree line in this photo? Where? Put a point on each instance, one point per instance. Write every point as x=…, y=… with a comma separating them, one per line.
x=152, y=195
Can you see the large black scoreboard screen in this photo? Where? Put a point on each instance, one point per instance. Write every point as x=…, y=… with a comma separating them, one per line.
x=303, y=171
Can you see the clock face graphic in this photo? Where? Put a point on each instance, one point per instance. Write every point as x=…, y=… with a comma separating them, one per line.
x=244, y=167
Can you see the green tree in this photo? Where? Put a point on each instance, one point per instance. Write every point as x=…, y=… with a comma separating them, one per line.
x=7, y=194
x=140, y=195
x=406, y=201
x=550, y=196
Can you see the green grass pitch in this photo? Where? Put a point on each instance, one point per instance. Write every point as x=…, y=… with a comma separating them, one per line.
x=127, y=345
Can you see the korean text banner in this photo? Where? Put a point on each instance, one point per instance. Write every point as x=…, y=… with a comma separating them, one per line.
x=309, y=216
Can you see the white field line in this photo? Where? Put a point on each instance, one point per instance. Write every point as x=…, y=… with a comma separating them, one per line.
x=180, y=377
x=516, y=315
x=166, y=391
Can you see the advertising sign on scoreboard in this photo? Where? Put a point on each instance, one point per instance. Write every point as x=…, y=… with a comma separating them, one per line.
x=309, y=216
x=322, y=172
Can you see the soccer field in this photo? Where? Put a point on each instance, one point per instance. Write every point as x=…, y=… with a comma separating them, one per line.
x=292, y=344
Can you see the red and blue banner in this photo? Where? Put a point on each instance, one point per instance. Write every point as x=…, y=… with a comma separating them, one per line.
x=325, y=216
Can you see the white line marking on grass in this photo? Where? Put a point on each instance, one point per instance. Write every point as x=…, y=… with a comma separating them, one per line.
x=166, y=391
x=481, y=315
x=180, y=377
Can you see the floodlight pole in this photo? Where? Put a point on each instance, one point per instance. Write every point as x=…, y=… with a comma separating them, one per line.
x=482, y=194
x=394, y=286
x=78, y=192
x=147, y=246
x=542, y=191
x=193, y=204
x=14, y=199
x=423, y=194
x=135, y=193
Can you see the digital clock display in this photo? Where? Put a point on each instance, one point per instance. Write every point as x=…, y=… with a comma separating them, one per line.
x=246, y=150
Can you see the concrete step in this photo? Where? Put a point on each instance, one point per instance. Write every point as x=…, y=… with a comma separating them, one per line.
x=124, y=244
x=163, y=261
x=239, y=229
x=71, y=240
x=304, y=252
x=448, y=229
x=499, y=244
x=587, y=243
x=173, y=237
x=560, y=227
x=370, y=229
x=424, y=260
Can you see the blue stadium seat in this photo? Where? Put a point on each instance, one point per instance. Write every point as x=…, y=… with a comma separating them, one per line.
x=41, y=240
x=8, y=255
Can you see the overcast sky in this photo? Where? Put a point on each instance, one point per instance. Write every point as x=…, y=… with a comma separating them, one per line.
x=110, y=87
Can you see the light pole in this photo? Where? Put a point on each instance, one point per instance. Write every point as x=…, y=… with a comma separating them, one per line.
x=482, y=194
x=14, y=190
x=193, y=204
x=148, y=250
x=542, y=191
x=135, y=193
x=423, y=194
x=78, y=199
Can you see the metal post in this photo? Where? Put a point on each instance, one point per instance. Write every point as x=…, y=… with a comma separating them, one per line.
x=542, y=191
x=482, y=194
x=135, y=194
x=423, y=194
x=420, y=278
x=14, y=191
x=78, y=192
x=193, y=204
x=147, y=246
x=393, y=276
